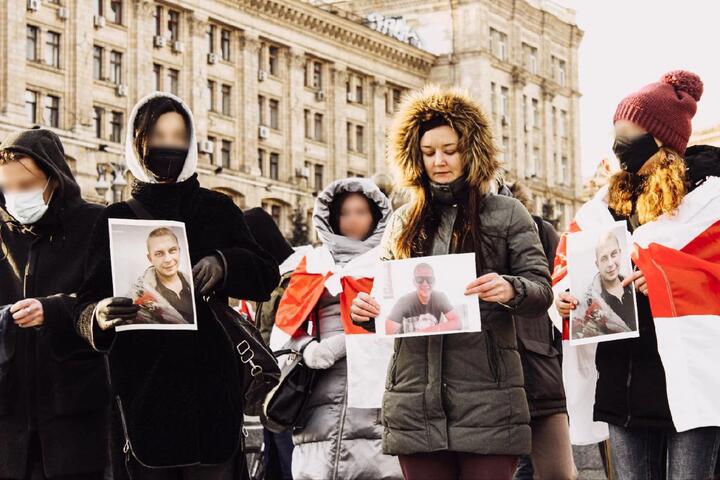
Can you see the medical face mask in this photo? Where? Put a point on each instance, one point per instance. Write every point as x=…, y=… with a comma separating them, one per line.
x=27, y=207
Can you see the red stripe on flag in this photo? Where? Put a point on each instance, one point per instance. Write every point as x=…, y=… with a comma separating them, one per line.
x=683, y=282
x=299, y=299
x=351, y=288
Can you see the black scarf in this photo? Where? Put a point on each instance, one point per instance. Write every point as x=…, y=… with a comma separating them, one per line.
x=168, y=201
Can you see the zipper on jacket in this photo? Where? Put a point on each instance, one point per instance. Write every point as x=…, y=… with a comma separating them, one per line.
x=627, y=386
x=340, y=433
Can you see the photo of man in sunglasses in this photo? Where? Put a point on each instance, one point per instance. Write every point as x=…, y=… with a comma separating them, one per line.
x=424, y=310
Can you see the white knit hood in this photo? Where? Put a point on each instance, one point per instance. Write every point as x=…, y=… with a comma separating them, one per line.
x=131, y=157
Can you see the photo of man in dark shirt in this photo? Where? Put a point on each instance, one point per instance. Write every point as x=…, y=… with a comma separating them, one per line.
x=424, y=309
x=164, y=292
x=608, y=306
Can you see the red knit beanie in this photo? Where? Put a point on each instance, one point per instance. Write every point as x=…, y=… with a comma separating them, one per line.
x=665, y=108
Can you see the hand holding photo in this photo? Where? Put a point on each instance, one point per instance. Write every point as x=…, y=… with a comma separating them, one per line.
x=601, y=279
x=426, y=296
x=151, y=265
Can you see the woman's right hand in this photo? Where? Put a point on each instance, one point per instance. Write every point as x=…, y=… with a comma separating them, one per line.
x=114, y=311
x=364, y=308
x=565, y=303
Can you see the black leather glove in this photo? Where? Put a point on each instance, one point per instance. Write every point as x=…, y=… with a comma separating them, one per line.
x=114, y=311
x=207, y=274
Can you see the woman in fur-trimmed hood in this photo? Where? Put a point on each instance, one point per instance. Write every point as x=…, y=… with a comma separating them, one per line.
x=457, y=401
x=652, y=130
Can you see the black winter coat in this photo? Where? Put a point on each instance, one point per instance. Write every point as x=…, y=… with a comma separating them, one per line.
x=540, y=346
x=178, y=393
x=631, y=389
x=53, y=383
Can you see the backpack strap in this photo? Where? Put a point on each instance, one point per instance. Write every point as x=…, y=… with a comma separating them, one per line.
x=139, y=210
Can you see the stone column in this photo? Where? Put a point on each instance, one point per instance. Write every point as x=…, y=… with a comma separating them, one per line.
x=376, y=126
x=248, y=92
x=337, y=143
x=12, y=51
x=79, y=64
x=295, y=136
x=197, y=74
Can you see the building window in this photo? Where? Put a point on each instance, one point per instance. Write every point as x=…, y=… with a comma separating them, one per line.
x=157, y=73
x=226, y=153
x=348, y=134
x=359, y=90
x=116, y=125
x=32, y=43
x=98, y=7
x=211, y=153
x=493, y=98
x=559, y=70
x=308, y=127
x=211, y=38
x=226, y=100
x=564, y=171
x=173, y=25
x=318, y=127
x=273, y=60
x=211, y=94
x=499, y=44
x=116, y=67
x=225, y=44
x=98, y=115
x=274, y=114
x=319, y=181
x=98, y=54
x=173, y=78
x=116, y=11
x=317, y=75
x=275, y=213
x=530, y=59
x=274, y=166
x=51, y=112
x=261, y=161
x=360, y=139
x=563, y=126
x=535, y=113
x=505, y=157
x=534, y=161
x=261, y=110
x=505, y=105
x=158, y=21
x=52, y=49
x=31, y=105
x=396, y=95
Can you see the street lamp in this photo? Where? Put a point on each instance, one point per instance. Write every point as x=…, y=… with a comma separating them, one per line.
x=117, y=183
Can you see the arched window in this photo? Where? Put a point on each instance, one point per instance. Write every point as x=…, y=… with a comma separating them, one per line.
x=237, y=197
x=280, y=211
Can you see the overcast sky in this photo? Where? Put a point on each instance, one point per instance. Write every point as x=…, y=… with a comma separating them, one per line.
x=629, y=43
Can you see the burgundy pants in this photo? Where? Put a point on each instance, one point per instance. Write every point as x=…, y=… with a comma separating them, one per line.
x=457, y=466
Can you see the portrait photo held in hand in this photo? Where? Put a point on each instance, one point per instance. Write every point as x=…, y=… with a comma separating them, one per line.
x=425, y=296
x=600, y=272
x=151, y=264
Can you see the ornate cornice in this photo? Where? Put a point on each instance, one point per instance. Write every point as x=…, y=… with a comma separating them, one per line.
x=346, y=32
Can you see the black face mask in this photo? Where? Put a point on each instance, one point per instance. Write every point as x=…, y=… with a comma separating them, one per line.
x=634, y=152
x=165, y=163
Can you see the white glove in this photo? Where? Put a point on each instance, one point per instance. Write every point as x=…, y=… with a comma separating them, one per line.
x=323, y=354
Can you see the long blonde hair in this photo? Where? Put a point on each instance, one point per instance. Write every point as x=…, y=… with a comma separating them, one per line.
x=657, y=189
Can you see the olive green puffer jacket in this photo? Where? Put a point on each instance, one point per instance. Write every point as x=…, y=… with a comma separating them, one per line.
x=464, y=392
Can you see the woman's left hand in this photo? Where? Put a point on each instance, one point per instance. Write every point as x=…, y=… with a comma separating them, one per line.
x=491, y=287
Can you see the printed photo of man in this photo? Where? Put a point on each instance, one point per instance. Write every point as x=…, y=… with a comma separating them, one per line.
x=164, y=293
x=609, y=299
x=424, y=310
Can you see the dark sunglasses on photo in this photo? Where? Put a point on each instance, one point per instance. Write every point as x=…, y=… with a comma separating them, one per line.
x=428, y=280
